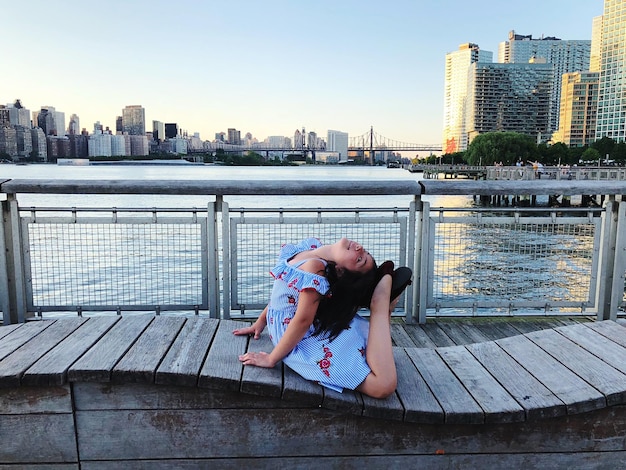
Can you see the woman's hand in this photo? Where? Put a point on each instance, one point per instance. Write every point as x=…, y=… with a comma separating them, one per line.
x=255, y=330
x=380, y=298
x=259, y=359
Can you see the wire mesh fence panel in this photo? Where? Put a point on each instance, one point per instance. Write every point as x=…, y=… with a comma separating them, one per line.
x=131, y=265
x=257, y=242
x=524, y=263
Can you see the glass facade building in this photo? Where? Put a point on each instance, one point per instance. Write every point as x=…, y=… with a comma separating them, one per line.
x=457, y=71
x=509, y=97
x=578, y=114
x=611, y=119
x=134, y=120
x=564, y=55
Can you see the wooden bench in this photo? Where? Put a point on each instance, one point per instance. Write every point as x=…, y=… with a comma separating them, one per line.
x=157, y=391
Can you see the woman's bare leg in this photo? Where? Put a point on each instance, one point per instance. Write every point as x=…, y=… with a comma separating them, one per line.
x=382, y=381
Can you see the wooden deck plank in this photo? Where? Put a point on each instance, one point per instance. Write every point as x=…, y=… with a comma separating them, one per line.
x=499, y=406
x=96, y=364
x=497, y=329
x=182, y=363
x=19, y=336
x=222, y=368
x=614, y=331
x=597, y=344
x=259, y=380
x=7, y=329
x=577, y=395
x=437, y=335
x=399, y=335
x=387, y=408
x=296, y=388
x=528, y=325
x=140, y=362
x=608, y=380
x=347, y=401
x=419, y=403
x=537, y=401
x=461, y=334
x=51, y=369
x=458, y=405
x=418, y=337
x=13, y=366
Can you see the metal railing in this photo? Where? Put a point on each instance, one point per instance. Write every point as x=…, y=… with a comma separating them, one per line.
x=214, y=260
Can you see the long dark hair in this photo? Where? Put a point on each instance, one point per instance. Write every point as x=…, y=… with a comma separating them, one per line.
x=349, y=290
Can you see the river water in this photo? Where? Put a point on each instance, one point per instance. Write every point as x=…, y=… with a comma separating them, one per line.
x=212, y=172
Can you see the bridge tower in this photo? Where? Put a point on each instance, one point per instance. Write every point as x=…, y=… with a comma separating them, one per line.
x=371, y=145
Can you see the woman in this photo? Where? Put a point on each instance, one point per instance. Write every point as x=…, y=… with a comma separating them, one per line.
x=312, y=320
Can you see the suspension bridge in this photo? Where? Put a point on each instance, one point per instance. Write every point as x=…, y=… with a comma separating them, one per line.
x=363, y=146
x=372, y=141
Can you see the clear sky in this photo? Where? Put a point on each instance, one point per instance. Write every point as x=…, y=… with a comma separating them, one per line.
x=267, y=67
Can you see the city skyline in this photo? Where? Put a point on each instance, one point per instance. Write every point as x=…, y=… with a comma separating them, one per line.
x=266, y=68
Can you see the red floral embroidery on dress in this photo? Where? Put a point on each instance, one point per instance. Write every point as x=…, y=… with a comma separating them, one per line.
x=291, y=299
x=293, y=283
x=316, y=282
x=286, y=321
x=362, y=351
x=325, y=362
x=313, y=246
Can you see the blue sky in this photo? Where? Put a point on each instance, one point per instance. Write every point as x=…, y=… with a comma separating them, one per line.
x=267, y=67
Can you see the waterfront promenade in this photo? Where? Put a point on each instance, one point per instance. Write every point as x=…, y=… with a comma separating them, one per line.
x=157, y=389
x=169, y=392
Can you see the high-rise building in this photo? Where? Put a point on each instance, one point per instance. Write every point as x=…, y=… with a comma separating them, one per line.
x=158, y=131
x=51, y=121
x=509, y=97
x=73, y=127
x=234, y=136
x=19, y=115
x=8, y=141
x=565, y=56
x=134, y=120
x=596, y=44
x=99, y=144
x=337, y=141
x=611, y=118
x=298, y=139
x=40, y=146
x=5, y=116
x=139, y=145
x=457, y=71
x=579, y=104
x=24, y=141
x=171, y=130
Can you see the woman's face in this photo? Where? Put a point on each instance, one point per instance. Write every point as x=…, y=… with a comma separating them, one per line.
x=352, y=256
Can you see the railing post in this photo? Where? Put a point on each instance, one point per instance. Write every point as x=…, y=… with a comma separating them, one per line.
x=420, y=288
x=226, y=265
x=607, y=262
x=14, y=305
x=619, y=267
x=4, y=272
x=213, y=268
x=412, y=257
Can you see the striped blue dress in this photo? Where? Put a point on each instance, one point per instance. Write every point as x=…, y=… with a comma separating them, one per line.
x=335, y=364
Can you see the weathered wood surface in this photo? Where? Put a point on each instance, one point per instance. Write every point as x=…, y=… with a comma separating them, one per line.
x=540, y=374
x=168, y=392
x=495, y=187
x=137, y=422
x=211, y=187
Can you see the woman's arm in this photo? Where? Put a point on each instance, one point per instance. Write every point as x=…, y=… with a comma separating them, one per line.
x=297, y=328
x=256, y=328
